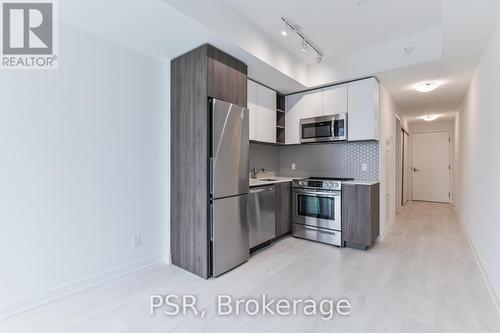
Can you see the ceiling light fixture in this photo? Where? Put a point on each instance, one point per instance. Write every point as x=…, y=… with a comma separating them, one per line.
x=426, y=86
x=430, y=117
x=284, y=30
x=305, y=42
x=409, y=49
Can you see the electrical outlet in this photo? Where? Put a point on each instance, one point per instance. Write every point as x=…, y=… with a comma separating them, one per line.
x=136, y=240
x=293, y=166
x=364, y=167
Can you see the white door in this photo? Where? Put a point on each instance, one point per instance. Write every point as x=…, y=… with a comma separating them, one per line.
x=406, y=167
x=431, y=166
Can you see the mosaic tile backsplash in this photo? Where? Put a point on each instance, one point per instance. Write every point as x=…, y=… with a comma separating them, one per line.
x=344, y=159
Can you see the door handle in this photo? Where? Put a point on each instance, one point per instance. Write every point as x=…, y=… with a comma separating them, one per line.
x=415, y=170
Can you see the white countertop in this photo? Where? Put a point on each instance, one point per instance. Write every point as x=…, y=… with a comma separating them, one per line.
x=362, y=182
x=253, y=182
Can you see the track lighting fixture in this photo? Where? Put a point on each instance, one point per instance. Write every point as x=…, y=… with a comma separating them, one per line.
x=305, y=42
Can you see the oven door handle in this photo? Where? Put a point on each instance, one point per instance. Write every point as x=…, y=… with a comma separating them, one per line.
x=305, y=227
x=318, y=194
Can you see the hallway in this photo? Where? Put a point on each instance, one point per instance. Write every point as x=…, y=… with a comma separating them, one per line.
x=421, y=278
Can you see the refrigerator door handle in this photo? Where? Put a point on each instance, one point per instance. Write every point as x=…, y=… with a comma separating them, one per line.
x=211, y=176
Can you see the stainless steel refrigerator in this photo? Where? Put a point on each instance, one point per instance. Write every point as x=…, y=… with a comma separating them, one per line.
x=228, y=165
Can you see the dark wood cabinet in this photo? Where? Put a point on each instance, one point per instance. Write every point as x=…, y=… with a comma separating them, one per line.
x=227, y=77
x=283, y=195
x=360, y=214
x=196, y=76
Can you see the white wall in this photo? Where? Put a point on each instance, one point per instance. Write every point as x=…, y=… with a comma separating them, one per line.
x=84, y=166
x=430, y=126
x=387, y=161
x=478, y=157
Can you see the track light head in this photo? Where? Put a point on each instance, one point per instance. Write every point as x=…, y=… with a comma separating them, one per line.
x=284, y=30
x=304, y=46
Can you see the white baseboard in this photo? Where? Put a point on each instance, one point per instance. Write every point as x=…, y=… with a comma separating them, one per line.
x=489, y=286
x=384, y=233
x=26, y=303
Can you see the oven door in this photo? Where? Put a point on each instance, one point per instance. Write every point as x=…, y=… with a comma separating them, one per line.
x=317, y=208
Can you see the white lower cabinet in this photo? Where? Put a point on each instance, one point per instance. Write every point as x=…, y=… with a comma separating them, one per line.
x=292, y=119
x=262, y=112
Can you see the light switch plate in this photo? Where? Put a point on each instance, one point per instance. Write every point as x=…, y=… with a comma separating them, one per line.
x=293, y=166
x=364, y=167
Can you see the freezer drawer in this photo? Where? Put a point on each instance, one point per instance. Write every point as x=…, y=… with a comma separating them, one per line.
x=317, y=234
x=261, y=215
x=229, y=233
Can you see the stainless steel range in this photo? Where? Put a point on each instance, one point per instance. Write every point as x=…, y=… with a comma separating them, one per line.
x=317, y=209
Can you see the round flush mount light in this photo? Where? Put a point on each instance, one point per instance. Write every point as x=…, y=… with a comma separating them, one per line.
x=426, y=86
x=409, y=49
x=430, y=117
x=363, y=2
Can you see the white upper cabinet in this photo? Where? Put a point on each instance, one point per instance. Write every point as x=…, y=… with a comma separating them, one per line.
x=266, y=100
x=311, y=104
x=292, y=119
x=363, y=110
x=335, y=100
x=262, y=112
x=252, y=109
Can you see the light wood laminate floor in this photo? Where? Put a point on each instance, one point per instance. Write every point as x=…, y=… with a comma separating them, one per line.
x=422, y=278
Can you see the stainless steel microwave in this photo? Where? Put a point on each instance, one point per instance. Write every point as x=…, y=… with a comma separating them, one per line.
x=325, y=128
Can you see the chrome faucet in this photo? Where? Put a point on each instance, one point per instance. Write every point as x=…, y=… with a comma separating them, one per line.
x=255, y=172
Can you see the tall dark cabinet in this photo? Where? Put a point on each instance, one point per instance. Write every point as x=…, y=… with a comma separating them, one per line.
x=195, y=77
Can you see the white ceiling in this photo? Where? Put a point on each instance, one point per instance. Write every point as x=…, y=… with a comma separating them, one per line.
x=340, y=27
x=359, y=41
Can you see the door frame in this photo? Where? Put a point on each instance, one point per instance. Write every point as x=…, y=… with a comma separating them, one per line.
x=450, y=173
x=403, y=172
